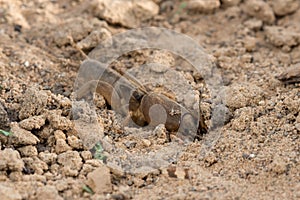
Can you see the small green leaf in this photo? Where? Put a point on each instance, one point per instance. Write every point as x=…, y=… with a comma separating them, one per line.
x=99, y=152
x=6, y=133
x=87, y=189
x=98, y=147
x=183, y=5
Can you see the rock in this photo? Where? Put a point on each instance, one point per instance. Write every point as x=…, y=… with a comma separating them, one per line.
x=89, y=133
x=99, y=180
x=48, y=192
x=128, y=13
x=221, y=116
x=203, y=6
x=11, y=160
x=260, y=10
x=71, y=163
x=28, y=151
x=230, y=2
x=146, y=143
x=8, y=193
x=280, y=36
x=35, y=122
x=21, y=136
x=32, y=103
x=284, y=7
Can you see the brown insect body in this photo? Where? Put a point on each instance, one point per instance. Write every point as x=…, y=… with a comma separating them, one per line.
x=124, y=93
x=172, y=110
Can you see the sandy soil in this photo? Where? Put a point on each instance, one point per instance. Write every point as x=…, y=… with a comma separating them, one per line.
x=255, y=155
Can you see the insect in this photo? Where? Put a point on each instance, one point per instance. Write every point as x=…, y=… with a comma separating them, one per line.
x=126, y=95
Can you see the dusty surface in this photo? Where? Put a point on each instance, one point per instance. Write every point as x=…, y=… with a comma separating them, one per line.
x=42, y=46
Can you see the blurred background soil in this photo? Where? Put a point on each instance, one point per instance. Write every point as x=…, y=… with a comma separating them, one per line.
x=42, y=45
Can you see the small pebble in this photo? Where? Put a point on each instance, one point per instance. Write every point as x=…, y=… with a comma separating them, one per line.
x=147, y=143
x=251, y=155
x=26, y=64
x=159, y=68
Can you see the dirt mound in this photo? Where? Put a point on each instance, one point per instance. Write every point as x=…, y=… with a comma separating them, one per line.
x=55, y=147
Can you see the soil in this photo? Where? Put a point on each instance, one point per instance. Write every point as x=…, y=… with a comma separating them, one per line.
x=52, y=151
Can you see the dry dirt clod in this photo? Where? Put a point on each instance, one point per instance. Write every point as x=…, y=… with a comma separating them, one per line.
x=35, y=122
x=278, y=165
x=257, y=153
x=160, y=132
x=242, y=95
x=61, y=146
x=10, y=160
x=290, y=75
x=74, y=142
x=4, y=120
x=48, y=192
x=9, y=193
x=28, y=151
x=128, y=13
x=203, y=6
x=59, y=122
x=93, y=39
x=100, y=180
x=86, y=155
x=259, y=9
x=254, y=24
x=74, y=28
x=33, y=103
x=21, y=136
x=282, y=37
x=71, y=163
x=284, y=7
x=48, y=158
x=176, y=172
x=34, y=164
x=230, y=2
x=250, y=43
